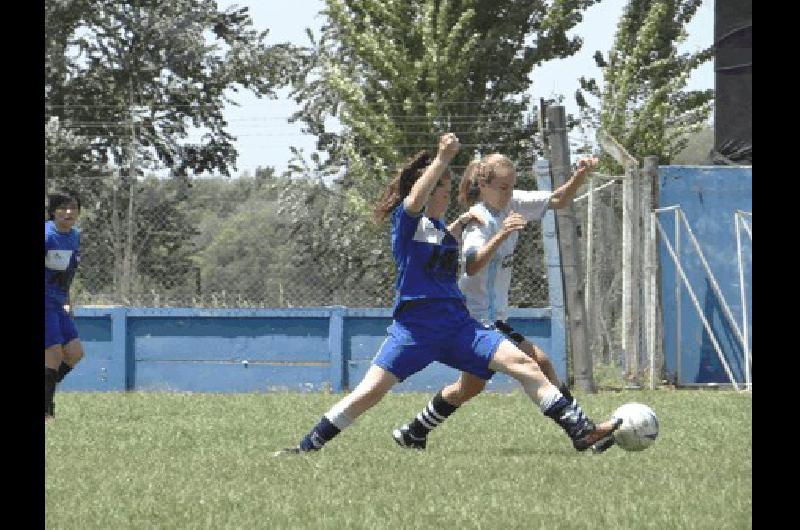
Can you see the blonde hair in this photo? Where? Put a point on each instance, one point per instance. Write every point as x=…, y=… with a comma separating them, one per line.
x=484, y=170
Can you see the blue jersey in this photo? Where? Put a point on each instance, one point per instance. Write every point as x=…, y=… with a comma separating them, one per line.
x=61, y=258
x=426, y=257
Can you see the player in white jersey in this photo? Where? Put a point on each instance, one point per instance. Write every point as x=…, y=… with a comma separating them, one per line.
x=487, y=251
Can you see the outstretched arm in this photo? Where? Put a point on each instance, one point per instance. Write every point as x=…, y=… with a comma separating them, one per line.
x=421, y=191
x=563, y=195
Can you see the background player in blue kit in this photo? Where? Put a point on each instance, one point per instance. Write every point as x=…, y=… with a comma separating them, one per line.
x=431, y=322
x=487, y=251
x=62, y=348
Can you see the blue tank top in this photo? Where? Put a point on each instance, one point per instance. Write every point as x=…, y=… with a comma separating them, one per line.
x=61, y=258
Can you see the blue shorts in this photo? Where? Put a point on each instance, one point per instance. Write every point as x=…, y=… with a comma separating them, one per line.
x=438, y=330
x=59, y=327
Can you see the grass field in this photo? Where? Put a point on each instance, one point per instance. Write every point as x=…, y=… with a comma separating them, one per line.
x=204, y=461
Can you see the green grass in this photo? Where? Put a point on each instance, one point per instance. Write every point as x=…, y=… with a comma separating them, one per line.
x=204, y=461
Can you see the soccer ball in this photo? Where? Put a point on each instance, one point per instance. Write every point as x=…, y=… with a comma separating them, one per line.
x=639, y=426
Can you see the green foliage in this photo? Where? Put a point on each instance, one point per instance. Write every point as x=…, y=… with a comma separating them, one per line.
x=173, y=60
x=183, y=460
x=396, y=74
x=643, y=103
x=125, y=83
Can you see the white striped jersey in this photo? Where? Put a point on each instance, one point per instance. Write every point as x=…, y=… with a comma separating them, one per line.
x=487, y=290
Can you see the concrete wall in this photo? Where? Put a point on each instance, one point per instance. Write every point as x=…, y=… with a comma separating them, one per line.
x=246, y=350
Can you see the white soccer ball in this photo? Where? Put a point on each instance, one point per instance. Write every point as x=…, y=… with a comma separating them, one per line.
x=639, y=427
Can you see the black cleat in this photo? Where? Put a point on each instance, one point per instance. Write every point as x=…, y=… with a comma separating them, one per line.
x=407, y=440
x=603, y=445
x=591, y=434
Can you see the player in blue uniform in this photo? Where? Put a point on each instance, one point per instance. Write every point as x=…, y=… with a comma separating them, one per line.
x=62, y=348
x=487, y=187
x=430, y=320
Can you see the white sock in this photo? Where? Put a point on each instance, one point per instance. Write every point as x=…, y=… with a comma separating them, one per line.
x=337, y=416
x=551, y=396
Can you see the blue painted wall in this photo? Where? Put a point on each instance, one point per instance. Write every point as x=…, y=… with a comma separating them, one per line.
x=245, y=350
x=708, y=196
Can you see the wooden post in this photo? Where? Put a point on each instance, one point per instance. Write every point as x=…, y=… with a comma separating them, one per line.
x=650, y=181
x=630, y=273
x=590, y=269
x=567, y=241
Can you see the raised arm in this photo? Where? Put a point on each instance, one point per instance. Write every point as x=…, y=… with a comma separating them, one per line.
x=563, y=195
x=421, y=191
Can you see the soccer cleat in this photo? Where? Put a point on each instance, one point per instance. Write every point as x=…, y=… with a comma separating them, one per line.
x=406, y=439
x=602, y=445
x=591, y=434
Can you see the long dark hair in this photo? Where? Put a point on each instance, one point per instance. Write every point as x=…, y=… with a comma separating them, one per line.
x=400, y=186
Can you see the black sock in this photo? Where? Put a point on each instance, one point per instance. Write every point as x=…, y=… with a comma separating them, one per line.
x=323, y=432
x=63, y=370
x=570, y=416
x=564, y=389
x=50, y=379
x=431, y=416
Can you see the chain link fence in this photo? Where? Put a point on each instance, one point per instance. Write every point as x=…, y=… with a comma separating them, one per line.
x=603, y=272
x=251, y=241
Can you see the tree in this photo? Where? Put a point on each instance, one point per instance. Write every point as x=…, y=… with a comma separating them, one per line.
x=125, y=82
x=164, y=65
x=643, y=103
x=396, y=74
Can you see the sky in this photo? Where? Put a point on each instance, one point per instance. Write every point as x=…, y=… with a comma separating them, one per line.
x=264, y=136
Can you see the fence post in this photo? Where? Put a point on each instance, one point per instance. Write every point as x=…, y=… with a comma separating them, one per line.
x=649, y=186
x=631, y=283
x=122, y=367
x=552, y=259
x=336, y=346
x=590, y=269
x=567, y=239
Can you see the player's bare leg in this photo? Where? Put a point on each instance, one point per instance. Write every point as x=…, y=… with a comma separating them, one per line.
x=568, y=415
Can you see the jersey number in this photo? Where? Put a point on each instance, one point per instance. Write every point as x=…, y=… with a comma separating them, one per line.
x=443, y=263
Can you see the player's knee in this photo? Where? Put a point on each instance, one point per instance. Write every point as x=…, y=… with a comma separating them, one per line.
x=53, y=356
x=463, y=390
x=73, y=353
x=526, y=369
x=542, y=359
